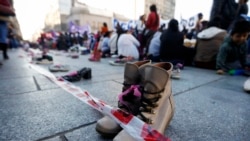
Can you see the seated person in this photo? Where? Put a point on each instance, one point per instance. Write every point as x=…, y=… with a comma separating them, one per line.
x=208, y=44
x=154, y=46
x=112, y=43
x=171, y=47
x=233, y=51
x=128, y=46
x=105, y=45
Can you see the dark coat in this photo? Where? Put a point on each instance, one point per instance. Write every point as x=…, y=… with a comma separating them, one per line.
x=227, y=10
x=171, y=45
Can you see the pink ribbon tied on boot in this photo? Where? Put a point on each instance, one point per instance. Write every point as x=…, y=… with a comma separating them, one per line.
x=127, y=97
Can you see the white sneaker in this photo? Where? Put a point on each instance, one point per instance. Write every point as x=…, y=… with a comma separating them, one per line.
x=176, y=74
x=246, y=85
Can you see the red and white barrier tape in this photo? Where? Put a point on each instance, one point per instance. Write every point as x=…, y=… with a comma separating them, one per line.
x=131, y=124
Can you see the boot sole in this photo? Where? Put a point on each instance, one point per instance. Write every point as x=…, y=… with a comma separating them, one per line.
x=106, y=134
x=173, y=110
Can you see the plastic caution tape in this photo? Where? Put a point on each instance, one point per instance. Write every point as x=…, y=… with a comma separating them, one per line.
x=131, y=124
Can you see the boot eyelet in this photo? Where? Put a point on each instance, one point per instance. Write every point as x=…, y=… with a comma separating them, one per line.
x=149, y=121
x=155, y=105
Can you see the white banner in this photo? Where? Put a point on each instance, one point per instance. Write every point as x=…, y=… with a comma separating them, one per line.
x=190, y=23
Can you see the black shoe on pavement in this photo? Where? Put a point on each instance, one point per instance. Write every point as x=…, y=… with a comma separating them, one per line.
x=85, y=73
x=72, y=77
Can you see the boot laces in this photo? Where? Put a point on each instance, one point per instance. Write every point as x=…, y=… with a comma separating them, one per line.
x=148, y=104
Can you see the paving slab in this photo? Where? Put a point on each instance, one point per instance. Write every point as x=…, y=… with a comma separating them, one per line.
x=43, y=83
x=233, y=83
x=17, y=85
x=192, y=78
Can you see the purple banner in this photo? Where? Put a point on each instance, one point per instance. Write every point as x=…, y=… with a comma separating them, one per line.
x=81, y=29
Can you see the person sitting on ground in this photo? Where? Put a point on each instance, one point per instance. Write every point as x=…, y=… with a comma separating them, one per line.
x=154, y=46
x=85, y=39
x=171, y=49
x=105, y=45
x=208, y=43
x=112, y=43
x=127, y=46
x=114, y=40
x=172, y=43
x=233, y=51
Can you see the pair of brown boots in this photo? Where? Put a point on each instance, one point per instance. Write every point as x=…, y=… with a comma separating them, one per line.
x=155, y=106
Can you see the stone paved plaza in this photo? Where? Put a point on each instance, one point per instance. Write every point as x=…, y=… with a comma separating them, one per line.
x=208, y=106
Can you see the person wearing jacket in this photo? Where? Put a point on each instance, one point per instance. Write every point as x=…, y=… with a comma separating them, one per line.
x=8, y=11
x=233, y=51
x=128, y=45
x=154, y=46
x=228, y=10
x=105, y=45
x=172, y=39
x=153, y=20
x=152, y=25
x=104, y=28
x=208, y=44
x=171, y=48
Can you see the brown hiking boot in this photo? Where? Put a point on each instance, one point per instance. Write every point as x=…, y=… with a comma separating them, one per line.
x=108, y=127
x=157, y=103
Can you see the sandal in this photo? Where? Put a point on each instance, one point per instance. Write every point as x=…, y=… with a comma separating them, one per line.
x=58, y=67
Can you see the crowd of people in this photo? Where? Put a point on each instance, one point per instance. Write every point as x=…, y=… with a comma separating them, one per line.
x=216, y=42
x=217, y=45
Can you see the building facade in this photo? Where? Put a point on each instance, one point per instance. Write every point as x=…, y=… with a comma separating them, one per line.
x=82, y=14
x=56, y=16
x=165, y=8
x=61, y=12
